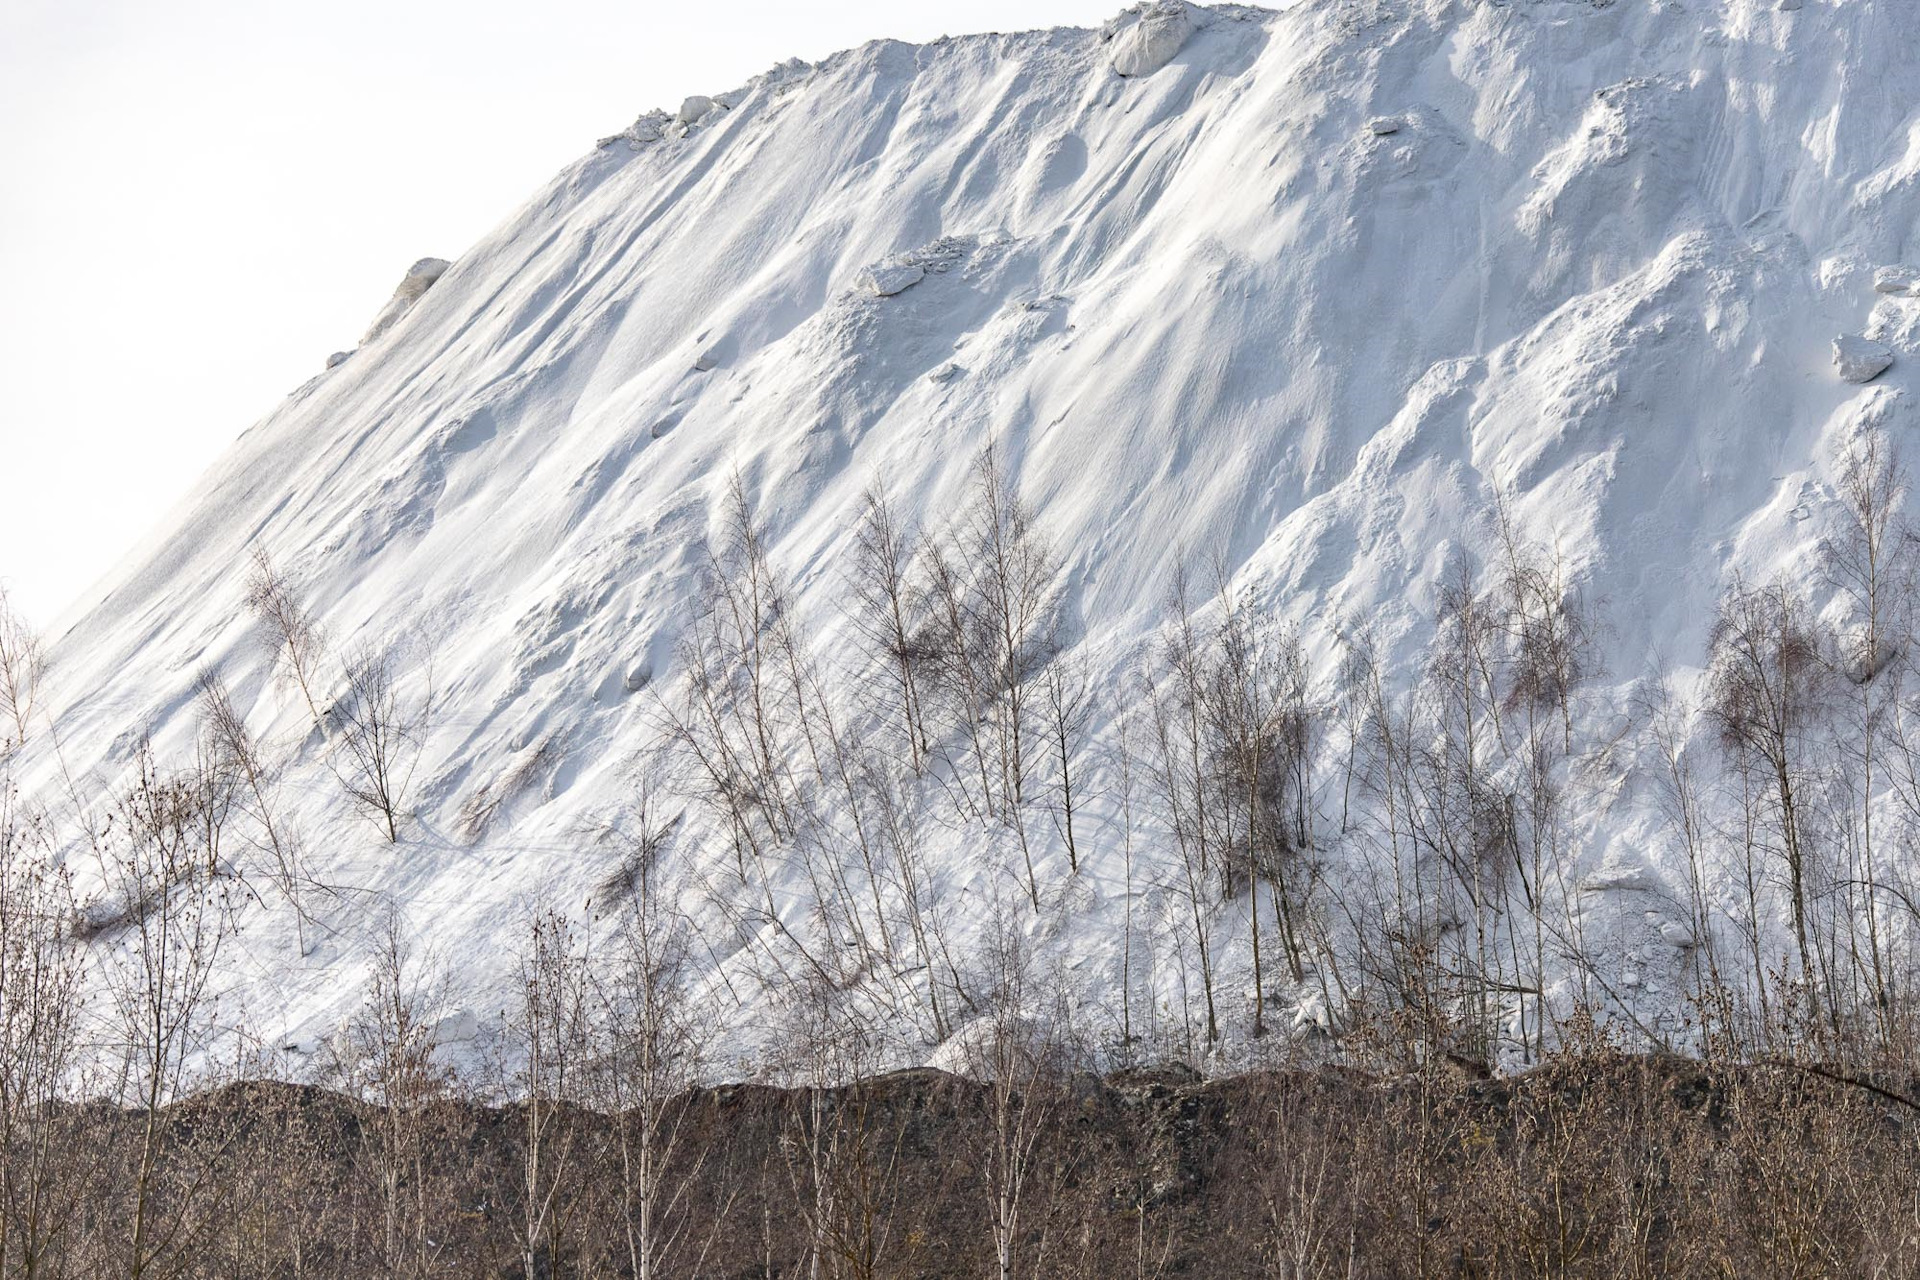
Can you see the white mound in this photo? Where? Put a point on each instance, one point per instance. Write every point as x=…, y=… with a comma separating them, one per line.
x=1207, y=324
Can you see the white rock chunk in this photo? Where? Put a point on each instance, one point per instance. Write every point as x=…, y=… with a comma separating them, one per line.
x=639, y=675
x=1617, y=879
x=696, y=109
x=1895, y=280
x=650, y=127
x=420, y=277
x=1149, y=37
x=887, y=280
x=1859, y=359
x=337, y=359
x=1381, y=126
x=1676, y=935
x=945, y=373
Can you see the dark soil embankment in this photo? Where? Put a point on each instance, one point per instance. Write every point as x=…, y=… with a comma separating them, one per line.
x=1603, y=1166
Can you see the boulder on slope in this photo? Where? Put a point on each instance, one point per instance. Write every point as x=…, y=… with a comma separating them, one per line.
x=695, y=109
x=650, y=127
x=1145, y=40
x=888, y=279
x=420, y=277
x=1898, y=280
x=1859, y=359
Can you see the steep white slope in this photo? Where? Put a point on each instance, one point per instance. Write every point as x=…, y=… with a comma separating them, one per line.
x=1209, y=309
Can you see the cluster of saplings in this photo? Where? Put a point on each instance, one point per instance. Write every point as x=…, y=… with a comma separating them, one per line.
x=1392, y=865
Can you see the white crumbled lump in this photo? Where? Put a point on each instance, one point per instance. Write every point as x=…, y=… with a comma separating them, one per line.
x=1381, y=126
x=420, y=277
x=650, y=127
x=1859, y=359
x=639, y=676
x=945, y=373
x=707, y=361
x=337, y=359
x=695, y=109
x=1894, y=322
x=1145, y=39
x=1895, y=280
x=1676, y=935
x=887, y=279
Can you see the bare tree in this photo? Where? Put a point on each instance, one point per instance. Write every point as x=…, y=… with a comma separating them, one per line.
x=1017, y=1058
x=175, y=921
x=888, y=614
x=1012, y=608
x=1068, y=703
x=1767, y=697
x=1869, y=560
x=653, y=1038
x=387, y=1058
x=46, y=1163
x=1124, y=766
x=839, y=1168
x=1680, y=789
x=1550, y=650
x=236, y=757
x=21, y=667
x=992, y=627
x=381, y=733
x=549, y=1035
x=737, y=718
x=293, y=636
x=1173, y=767
x=1252, y=685
x=1463, y=811
x=1547, y=621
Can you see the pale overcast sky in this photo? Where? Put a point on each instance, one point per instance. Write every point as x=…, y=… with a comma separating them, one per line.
x=199, y=199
